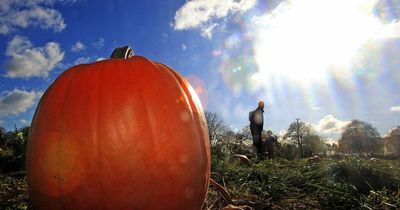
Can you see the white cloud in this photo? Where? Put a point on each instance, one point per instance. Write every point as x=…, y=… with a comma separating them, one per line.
x=24, y=122
x=331, y=141
x=28, y=61
x=82, y=60
x=17, y=101
x=395, y=108
x=201, y=14
x=24, y=13
x=88, y=59
x=329, y=126
x=78, y=46
x=281, y=132
x=99, y=43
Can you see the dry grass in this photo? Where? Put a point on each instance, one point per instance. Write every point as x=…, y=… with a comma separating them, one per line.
x=349, y=183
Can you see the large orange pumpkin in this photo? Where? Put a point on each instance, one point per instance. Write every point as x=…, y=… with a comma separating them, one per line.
x=118, y=134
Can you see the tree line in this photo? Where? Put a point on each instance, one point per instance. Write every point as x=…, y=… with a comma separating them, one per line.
x=299, y=140
x=12, y=149
x=302, y=140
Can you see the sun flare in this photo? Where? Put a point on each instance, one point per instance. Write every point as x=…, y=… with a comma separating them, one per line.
x=305, y=39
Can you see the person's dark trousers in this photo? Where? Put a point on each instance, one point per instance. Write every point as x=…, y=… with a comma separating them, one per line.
x=257, y=144
x=271, y=152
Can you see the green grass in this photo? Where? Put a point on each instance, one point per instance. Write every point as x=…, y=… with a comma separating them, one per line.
x=346, y=183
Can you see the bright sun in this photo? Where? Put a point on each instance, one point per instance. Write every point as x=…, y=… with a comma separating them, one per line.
x=303, y=39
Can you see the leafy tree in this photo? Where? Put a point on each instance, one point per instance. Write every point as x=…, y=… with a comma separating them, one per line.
x=286, y=150
x=2, y=135
x=297, y=133
x=360, y=137
x=335, y=147
x=392, y=141
x=244, y=134
x=13, y=157
x=314, y=144
x=2, y=131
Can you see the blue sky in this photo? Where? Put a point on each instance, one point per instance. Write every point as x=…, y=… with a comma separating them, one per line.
x=323, y=61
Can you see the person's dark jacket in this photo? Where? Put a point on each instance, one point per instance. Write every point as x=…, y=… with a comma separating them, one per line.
x=271, y=140
x=256, y=119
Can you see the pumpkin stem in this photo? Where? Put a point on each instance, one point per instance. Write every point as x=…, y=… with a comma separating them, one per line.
x=122, y=52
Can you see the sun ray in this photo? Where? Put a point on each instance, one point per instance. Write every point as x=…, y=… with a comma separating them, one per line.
x=304, y=40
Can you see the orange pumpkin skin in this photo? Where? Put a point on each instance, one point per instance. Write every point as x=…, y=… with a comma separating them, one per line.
x=118, y=134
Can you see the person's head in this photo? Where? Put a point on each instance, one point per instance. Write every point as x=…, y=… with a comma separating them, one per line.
x=261, y=104
x=263, y=134
x=269, y=133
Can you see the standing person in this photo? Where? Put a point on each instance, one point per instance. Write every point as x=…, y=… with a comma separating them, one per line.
x=256, y=119
x=271, y=144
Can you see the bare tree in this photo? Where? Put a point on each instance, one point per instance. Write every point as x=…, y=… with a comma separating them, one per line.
x=215, y=126
x=297, y=133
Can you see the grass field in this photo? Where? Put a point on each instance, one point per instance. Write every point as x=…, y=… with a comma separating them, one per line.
x=341, y=183
x=345, y=183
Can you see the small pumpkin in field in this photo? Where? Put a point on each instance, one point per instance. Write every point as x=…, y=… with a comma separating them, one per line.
x=118, y=134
